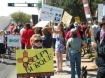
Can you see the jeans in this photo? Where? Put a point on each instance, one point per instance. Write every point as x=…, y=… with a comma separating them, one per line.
x=100, y=75
x=75, y=60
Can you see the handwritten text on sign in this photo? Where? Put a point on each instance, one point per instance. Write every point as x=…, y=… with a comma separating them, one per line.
x=34, y=62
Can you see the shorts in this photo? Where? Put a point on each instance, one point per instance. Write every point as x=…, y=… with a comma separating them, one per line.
x=88, y=40
x=22, y=46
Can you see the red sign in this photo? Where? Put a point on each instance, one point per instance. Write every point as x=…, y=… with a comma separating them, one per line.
x=85, y=1
x=87, y=10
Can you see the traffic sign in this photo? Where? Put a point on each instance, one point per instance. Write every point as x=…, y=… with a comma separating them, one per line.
x=11, y=4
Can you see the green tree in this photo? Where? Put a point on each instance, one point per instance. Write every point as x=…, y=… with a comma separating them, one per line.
x=39, y=5
x=20, y=17
x=94, y=5
x=75, y=7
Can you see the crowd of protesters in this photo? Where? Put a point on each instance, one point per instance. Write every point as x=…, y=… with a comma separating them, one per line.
x=69, y=39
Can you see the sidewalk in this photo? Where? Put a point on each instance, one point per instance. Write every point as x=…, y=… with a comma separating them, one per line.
x=66, y=72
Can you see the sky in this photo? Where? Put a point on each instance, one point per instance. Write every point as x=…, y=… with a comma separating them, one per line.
x=6, y=11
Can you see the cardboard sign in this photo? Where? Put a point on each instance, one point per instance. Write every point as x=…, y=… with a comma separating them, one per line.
x=66, y=18
x=100, y=12
x=13, y=40
x=49, y=13
x=41, y=24
x=77, y=19
x=34, y=62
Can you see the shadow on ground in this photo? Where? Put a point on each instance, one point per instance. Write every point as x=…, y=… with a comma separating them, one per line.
x=9, y=63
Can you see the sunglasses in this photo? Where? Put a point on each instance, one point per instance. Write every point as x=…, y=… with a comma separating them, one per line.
x=36, y=41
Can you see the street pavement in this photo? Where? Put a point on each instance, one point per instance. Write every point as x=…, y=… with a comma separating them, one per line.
x=9, y=70
x=7, y=67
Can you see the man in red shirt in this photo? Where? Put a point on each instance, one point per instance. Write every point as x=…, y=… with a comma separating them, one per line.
x=27, y=34
x=12, y=28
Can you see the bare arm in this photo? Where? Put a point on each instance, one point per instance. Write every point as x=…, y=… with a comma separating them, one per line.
x=48, y=28
x=83, y=46
x=56, y=31
x=67, y=49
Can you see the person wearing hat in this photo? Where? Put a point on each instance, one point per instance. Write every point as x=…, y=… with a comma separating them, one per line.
x=76, y=25
x=73, y=50
x=100, y=51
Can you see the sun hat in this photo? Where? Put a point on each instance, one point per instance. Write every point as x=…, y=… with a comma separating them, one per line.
x=73, y=31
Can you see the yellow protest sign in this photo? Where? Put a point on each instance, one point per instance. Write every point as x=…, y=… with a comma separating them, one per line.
x=77, y=19
x=34, y=62
x=66, y=19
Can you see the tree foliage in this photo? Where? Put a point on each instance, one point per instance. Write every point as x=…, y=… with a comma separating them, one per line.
x=94, y=5
x=75, y=7
x=39, y=5
x=20, y=17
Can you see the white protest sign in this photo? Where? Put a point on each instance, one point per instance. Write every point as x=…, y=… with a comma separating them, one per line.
x=100, y=12
x=49, y=13
x=1, y=39
x=41, y=24
x=13, y=40
x=104, y=9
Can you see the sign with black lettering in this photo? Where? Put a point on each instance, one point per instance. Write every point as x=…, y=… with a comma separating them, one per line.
x=34, y=62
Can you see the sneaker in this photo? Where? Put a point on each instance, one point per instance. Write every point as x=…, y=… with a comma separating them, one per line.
x=2, y=60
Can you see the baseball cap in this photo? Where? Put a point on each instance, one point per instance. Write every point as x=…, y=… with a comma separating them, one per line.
x=75, y=24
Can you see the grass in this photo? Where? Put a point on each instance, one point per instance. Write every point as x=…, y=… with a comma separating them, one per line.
x=91, y=55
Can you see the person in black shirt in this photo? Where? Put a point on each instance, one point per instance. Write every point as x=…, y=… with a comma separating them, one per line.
x=47, y=38
x=100, y=49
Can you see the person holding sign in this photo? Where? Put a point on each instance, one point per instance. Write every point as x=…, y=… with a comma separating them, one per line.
x=2, y=46
x=36, y=43
x=59, y=45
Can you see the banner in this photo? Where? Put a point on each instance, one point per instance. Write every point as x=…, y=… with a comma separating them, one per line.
x=87, y=12
x=49, y=13
x=1, y=39
x=88, y=17
x=34, y=62
x=100, y=12
x=13, y=40
x=66, y=19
